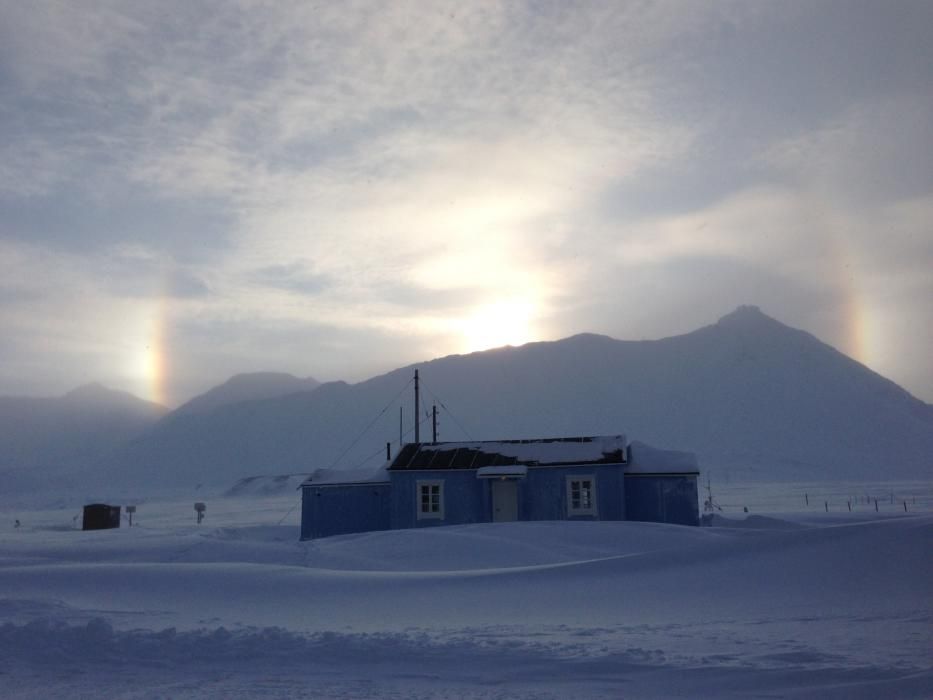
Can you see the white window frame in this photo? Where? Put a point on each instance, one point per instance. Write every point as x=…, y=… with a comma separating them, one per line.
x=580, y=508
x=430, y=514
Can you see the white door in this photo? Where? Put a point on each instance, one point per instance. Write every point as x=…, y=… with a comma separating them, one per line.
x=504, y=500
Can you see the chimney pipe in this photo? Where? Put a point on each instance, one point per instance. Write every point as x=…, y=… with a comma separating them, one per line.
x=388, y=452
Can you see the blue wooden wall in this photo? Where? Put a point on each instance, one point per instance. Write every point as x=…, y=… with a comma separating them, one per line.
x=465, y=498
x=344, y=508
x=662, y=499
x=542, y=495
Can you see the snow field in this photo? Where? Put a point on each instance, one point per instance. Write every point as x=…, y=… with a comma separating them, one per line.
x=807, y=605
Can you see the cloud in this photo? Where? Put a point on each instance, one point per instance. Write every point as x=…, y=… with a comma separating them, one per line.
x=17, y=293
x=49, y=41
x=293, y=277
x=865, y=155
x=386, y=173
x=210, y=110
x=225, y=346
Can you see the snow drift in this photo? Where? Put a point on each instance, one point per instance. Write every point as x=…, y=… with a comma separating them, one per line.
x=780, y=606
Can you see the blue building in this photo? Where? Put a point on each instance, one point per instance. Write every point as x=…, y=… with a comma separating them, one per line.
x=453, y=483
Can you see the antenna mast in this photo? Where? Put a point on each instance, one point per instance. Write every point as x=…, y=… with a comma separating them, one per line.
x=417, y=411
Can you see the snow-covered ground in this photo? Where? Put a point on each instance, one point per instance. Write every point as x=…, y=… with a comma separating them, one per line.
x=787, y=602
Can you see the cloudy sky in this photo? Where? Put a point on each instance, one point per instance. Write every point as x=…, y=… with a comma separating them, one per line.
x=194, y=189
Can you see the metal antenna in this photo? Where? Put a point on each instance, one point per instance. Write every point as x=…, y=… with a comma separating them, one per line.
x=417, y=411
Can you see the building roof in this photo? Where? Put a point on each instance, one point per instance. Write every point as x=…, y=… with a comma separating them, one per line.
x=545, y=452
x=645, y=459
x=491, y=456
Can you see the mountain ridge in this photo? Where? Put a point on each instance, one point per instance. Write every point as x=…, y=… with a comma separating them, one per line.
x=754, y=398
x=53, y=437
x=751, y=396
x=250, y=386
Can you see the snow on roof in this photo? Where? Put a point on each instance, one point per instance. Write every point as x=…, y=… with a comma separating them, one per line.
x=329, y=477
x=606, y=449
x=645, y=459
x=491, y=454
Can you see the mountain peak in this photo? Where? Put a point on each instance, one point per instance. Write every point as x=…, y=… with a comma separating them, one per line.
x=261, y=379
x=746, y=313
x=248, y=386
x=97, y=393
x=87, y=391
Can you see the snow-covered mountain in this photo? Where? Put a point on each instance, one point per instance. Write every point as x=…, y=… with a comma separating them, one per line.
x=42, y=438
x=751, y=396
x=247, y=387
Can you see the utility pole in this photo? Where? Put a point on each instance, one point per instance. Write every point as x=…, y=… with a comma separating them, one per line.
x=710, y=504
x=434, y=424
x=417, y=411
x=400, y=436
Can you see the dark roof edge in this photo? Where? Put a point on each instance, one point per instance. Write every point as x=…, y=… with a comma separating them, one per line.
x=309, y=484
x=549, y=465
x=692, y=473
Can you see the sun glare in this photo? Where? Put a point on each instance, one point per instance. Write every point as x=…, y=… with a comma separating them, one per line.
x=149, y=358
x=498, y=324
x=152, y=370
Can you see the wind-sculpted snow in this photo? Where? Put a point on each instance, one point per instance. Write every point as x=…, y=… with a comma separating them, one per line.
x=788, y=606
x=220, y=662
x=74, y=660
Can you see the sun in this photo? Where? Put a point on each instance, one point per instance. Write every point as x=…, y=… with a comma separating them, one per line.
x=498, y=324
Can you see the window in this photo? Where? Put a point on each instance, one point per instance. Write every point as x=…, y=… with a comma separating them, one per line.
x=581, y=495
x=430, y=500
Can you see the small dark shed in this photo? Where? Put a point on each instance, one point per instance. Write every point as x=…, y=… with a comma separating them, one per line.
x=100, y=516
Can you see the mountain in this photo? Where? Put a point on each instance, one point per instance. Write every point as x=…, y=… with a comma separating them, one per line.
x=247, y=387
x=752, y=397
x=42, y=438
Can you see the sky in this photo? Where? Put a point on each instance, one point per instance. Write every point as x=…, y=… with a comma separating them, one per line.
x=189, y=190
